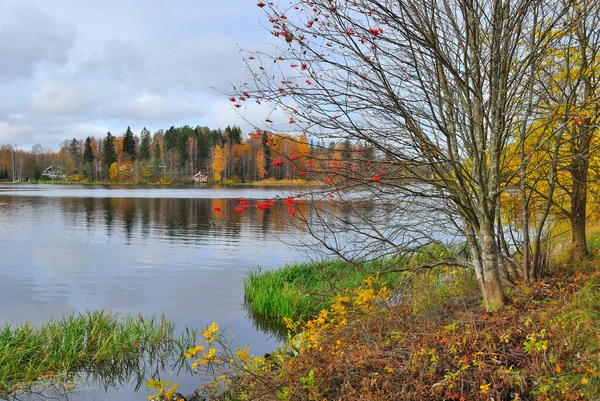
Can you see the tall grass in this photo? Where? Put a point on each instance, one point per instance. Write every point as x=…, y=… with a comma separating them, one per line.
x=108, y=348
x=298, y=291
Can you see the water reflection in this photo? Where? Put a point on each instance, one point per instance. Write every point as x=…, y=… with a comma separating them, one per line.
x=144, y=251
x=153, y=255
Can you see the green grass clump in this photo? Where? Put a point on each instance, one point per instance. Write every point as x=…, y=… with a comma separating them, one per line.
x=298, y=291
x=106, y=347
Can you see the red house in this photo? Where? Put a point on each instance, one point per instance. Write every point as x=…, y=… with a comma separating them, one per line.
x=199, y=177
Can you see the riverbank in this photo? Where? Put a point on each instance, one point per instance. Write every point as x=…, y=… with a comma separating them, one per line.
x=368, y=343
x=263, y=183
x=299, y=291
x=544, y=344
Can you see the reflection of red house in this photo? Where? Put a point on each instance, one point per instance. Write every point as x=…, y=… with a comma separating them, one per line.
x=199, y=177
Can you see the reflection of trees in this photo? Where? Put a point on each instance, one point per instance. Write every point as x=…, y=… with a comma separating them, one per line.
x=128, y=213
x=109, y=215
x=181, y=220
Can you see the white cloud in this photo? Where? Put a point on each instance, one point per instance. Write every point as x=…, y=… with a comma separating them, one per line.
x=152, y=107
x=61, y=97
x=113, y=64
x=30, y=38
x=13, y=133
x=251, y=115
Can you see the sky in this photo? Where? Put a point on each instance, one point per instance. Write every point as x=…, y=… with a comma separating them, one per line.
x=78, y=68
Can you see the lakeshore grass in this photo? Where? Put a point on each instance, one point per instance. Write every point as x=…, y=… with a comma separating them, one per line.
x=298, y=291
x=106, y=347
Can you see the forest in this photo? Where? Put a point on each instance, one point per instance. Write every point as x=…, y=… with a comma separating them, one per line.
x=175, y=155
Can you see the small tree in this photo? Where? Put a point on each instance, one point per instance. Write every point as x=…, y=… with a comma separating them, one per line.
x=114, y=172
x=37, y=174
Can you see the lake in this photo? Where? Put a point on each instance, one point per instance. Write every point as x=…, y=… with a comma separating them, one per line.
x=148, y=250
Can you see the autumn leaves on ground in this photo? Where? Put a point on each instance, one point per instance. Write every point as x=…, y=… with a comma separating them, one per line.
x=369, y=344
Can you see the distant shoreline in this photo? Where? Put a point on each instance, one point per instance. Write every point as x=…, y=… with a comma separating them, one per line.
x=272, y=183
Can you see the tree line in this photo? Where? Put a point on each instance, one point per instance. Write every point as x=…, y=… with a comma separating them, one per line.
x=172, y=155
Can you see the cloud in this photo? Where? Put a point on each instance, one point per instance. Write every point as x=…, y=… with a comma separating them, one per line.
x=62, y=97
x=13, y=133
x=117, y=61
x=29, y=38
x=251, y=115
x=153, y=107
x=198, y=63
x=150, y=64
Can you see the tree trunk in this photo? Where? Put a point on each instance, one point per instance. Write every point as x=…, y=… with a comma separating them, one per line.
x=578, y=235
x=485, y=257
x=579, y=172
x=490, y=283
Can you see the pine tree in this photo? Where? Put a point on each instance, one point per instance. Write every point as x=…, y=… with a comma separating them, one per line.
x=109, y=153
x=129, y=144
x=145, y=145
x=75, y=151
x=88, y=153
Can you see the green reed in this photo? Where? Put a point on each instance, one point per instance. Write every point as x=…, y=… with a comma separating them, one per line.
x=105, y=347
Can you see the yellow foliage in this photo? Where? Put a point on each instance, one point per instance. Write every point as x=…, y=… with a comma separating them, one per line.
x=218, y=163
x=161, y=386
x=210, y=333
x=113, y=173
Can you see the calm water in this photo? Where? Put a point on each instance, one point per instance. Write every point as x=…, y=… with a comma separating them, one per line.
x=138, y=250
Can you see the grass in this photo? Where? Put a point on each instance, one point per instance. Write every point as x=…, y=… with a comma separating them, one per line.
x=544, y=344
x=106, y=347
x=298, y=291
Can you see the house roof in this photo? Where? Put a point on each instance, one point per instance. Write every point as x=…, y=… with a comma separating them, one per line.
x=199, y=173
x=52, y=167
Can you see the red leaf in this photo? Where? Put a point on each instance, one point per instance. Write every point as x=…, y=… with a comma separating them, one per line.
x=217, y=209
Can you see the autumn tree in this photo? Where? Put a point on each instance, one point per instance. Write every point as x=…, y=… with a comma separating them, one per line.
x=435, y=88
x=579, y=79
x=218, y=164
x=261, y=163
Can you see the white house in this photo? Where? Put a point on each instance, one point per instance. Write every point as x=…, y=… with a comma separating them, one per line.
x=199, y=177
x=54, y=172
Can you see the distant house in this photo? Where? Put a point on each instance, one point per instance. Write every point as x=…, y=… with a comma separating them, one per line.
x=199, y=177
x=54, y=172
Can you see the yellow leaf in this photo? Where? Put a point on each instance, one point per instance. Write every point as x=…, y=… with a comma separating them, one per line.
x=557, y=368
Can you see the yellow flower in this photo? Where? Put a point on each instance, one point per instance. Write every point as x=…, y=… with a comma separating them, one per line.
x=193, y=351
x=209, y=333
x=209, y=357
x=584, y=380
x=242, y=353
